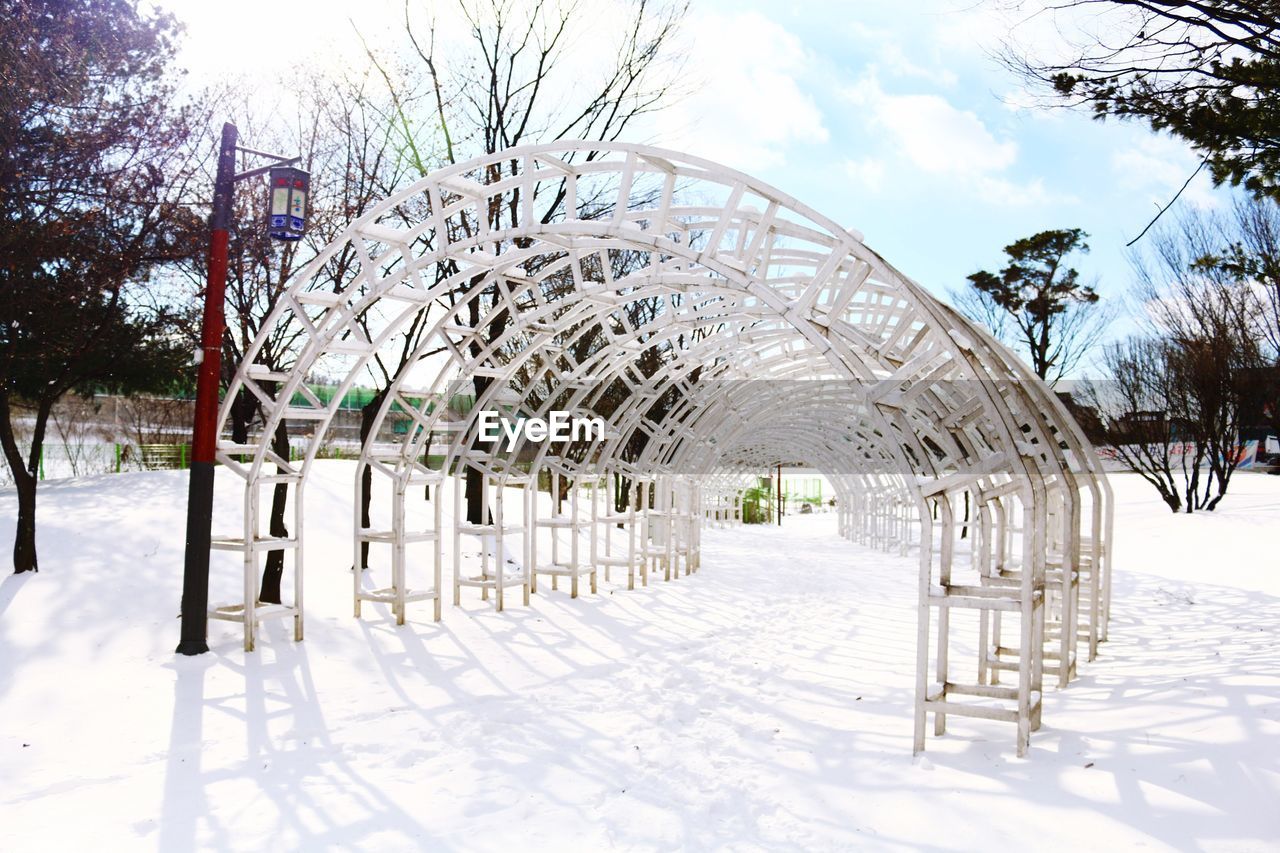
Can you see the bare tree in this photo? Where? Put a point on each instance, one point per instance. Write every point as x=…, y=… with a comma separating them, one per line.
x=80, y=434
x=982, y=308
x=1250, y=255
x=1253, y=255
x=148, y=419
x=1134, y=405
x=510, y=83
x=1197, y=372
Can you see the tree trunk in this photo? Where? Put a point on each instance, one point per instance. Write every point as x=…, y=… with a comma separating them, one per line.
x=274, y=570
x=621, y=495
x=1192, y=493
x=24, y=541
x=26, y=475
x=368, y=412
x=242, y=411
x=474, y=486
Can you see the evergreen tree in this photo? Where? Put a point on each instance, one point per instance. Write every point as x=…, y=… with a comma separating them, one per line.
x=1208, y=72
x=1050, y=309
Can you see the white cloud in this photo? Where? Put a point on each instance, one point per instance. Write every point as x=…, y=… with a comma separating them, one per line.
x=1007, y=193
x=891, y=58
x=747, y=106
x=951, y=144
x=940, y=138
x=866, y=173
x=1158, y=166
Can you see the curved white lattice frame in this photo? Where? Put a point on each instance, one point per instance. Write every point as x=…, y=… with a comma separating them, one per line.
x=720, y=328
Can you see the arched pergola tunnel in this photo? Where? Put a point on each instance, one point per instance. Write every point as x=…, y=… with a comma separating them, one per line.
x=718, y=328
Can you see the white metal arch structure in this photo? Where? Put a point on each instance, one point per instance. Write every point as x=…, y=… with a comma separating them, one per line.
x=719, y=327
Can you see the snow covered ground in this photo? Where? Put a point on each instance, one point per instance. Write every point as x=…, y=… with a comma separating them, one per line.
x=763, y=703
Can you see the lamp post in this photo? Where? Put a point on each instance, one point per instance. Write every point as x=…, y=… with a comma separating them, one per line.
x=204, y=438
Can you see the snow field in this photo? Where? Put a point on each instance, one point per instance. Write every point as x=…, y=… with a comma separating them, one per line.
x=761, y=704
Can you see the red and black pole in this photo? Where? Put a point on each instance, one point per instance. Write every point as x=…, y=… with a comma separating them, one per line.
x=204, y=439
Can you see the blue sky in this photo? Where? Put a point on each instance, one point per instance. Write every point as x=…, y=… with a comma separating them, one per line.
x=902, y=125
x=891, y=117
